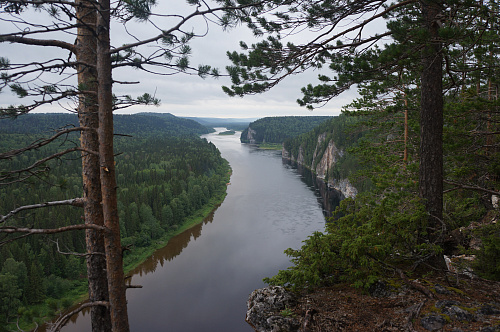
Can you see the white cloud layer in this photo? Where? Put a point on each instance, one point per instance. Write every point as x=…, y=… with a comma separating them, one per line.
x=185, y=95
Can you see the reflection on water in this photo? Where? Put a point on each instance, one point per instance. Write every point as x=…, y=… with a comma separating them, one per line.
x=173, y=248
x=328, y=197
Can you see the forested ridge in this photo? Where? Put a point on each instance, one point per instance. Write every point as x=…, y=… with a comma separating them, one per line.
x=163, y=181
x=277, y=129
x=134, y=124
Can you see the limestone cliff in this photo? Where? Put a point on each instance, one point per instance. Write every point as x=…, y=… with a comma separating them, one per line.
x=322, y=161
x=251, y=135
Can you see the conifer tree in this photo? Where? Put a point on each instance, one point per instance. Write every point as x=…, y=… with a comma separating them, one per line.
x=368, y=41
x=94, y=58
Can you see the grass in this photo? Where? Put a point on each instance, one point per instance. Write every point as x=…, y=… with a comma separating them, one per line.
x=270, y=146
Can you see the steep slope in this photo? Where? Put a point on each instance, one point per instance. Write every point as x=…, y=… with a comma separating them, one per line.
x=322, y=150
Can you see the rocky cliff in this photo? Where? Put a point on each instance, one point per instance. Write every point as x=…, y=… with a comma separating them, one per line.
x=251, y=135
x=322, y=161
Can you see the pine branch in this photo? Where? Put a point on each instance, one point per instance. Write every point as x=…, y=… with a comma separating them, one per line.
x=469, y=187
x=75, y=253
x=177, y=27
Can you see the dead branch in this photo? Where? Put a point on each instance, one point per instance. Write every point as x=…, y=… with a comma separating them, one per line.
x=13, y=229
x=17, y=325
x=307, y=320
x=415, y=285
x=74, y=202
x=75, y=253
x=7, y=175
x=469, y=187
x=39, y=42
x=63, y=320
x=414, y=311
x=40, y=143
x=12, y=239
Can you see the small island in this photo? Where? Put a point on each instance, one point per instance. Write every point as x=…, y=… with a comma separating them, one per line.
x=229, y=132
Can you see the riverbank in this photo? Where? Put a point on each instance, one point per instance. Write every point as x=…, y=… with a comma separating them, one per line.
x=270, y=146
x=50, y=309
x=141, y=254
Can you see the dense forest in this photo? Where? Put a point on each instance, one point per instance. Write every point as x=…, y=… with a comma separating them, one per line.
x=277, y=129
x=163, y=179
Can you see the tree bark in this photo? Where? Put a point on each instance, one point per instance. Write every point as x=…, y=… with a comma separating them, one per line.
x=88, y=115
x=114, y=259
x=431, y=124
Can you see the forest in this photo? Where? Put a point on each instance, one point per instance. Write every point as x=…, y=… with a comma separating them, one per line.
x=277, y=129
x=164, y=180
x=427, y=131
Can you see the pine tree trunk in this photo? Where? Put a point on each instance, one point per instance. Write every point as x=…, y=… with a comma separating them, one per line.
x=431, y=122
x=114, y=259
x=89, y=118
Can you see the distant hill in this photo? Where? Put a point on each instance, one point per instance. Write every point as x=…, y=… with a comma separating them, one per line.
x=229, y=123
x=278, y=129
x=134, y=124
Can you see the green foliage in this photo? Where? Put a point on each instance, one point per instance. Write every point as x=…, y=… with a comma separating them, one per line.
x=20, y=91
x=4, y=63
x=314, y=264
x=488, y=257
x=228, y=132
x=386, y=225
x=141, y=124
x=312, y=145
x=140, y=9
x=10, y=295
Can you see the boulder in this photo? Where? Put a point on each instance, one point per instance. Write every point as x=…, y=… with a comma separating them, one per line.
x=432, y=322
x=267, y=310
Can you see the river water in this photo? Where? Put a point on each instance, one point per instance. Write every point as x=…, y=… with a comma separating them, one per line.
x=201, y=280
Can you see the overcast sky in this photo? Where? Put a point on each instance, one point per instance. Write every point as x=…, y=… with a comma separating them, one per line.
x=185, y=95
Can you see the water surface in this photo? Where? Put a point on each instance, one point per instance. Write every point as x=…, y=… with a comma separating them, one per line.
x=201, y=280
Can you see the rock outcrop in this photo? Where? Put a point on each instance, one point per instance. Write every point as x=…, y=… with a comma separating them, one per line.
x=391, y=306
x=251, y=135
x=322, y=162
x=267, y=310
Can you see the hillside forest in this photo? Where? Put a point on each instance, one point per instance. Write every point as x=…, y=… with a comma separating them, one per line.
x=168, y=177
x=277, y=129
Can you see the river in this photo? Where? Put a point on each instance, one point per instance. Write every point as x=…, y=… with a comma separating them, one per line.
x=201, y=280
